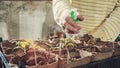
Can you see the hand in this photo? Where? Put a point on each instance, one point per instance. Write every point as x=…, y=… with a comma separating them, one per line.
x=71, y=26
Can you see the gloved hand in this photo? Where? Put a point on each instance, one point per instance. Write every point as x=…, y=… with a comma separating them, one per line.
x=1, y=40
x=118, y=37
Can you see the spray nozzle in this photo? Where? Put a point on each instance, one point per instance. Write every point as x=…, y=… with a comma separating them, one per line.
x=73, y=15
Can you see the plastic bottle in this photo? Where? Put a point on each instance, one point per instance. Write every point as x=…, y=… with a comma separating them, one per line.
x=73, y=15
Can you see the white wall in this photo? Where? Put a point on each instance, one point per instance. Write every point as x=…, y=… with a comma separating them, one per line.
x=26, y=20
x=3, y=30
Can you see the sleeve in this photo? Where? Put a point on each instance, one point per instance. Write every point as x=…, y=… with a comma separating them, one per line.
x=61, y=9
x=110, y=28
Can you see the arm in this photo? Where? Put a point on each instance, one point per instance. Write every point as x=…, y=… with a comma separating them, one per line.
x=61, y=9
x=110, y=28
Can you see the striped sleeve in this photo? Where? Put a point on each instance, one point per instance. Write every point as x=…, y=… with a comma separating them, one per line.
x=60, y=8
x=94, y=11
x=111, y=27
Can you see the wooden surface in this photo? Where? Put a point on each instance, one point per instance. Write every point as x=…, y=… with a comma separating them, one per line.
x=113, y=62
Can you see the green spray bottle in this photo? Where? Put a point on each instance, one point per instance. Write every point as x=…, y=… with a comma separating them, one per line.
x=73, y=16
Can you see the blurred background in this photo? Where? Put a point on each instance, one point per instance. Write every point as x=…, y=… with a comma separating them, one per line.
x=26, y=19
